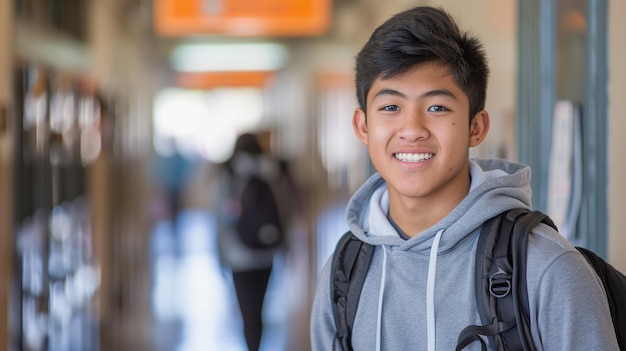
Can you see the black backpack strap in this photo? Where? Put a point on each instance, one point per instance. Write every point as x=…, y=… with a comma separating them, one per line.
x=349, y=266
x=501, y=293
x=493, y=283
x=524, y=223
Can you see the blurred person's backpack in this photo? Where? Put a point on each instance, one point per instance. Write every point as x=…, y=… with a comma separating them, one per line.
x=501, y=294
x=258, y=222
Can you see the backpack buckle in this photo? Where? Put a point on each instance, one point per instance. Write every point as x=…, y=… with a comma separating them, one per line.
x=500, y=283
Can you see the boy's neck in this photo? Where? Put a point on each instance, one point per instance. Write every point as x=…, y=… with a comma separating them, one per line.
x=415, y=215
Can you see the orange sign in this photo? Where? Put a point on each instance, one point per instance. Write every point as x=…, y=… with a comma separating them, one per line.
x=242, y=17
x=210, y=80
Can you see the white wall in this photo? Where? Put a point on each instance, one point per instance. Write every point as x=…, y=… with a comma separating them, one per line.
x=617, y=143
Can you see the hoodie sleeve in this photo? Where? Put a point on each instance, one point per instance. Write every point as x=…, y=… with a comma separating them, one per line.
x=573, y=312
x=323, y=328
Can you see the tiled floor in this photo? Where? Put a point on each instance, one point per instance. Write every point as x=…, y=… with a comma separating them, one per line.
x=193, y=300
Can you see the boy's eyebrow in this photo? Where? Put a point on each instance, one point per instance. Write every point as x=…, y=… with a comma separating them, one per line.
x=430, y=93
x=389, y=92
x=439, y=92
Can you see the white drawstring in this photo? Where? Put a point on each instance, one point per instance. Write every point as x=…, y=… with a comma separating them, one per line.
x=430, y=292
x=381, y=293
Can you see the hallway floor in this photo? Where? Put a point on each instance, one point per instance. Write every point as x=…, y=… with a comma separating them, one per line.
x=193, y=301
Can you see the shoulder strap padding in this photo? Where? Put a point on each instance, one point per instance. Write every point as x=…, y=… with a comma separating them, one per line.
x=349, y=266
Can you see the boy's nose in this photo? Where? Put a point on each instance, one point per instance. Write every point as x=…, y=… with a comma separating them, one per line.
x=414, y=128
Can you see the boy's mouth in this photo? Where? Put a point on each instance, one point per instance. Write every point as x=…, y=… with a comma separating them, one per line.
x=409, y=157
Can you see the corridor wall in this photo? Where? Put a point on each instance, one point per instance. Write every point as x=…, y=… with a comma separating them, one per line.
x=617, y=143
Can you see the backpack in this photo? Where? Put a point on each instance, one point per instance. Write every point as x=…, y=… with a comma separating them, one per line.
x=258, y=224
x=500, y=283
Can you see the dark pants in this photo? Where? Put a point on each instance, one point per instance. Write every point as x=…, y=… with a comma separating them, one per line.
x=250, y=287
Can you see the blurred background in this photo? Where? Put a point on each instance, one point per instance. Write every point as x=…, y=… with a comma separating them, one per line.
x=116, y=114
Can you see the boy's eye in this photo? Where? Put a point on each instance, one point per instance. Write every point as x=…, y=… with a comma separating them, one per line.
x=390, y=108
x=437, y=108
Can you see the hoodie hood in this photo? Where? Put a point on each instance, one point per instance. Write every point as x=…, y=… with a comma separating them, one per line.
x=496, y=186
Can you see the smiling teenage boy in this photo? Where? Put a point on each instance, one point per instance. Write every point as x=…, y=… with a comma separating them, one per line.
x=421, y=86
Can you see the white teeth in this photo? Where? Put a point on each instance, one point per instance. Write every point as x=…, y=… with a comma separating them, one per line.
x=407, y=157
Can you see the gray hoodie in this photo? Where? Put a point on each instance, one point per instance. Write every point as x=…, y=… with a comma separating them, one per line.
x=419, y=293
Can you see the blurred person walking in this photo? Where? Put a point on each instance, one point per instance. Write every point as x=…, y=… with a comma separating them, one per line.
x=250, y=229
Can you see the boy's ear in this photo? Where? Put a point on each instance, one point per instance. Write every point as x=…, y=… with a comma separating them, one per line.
x=359, y=123
x=479, y=128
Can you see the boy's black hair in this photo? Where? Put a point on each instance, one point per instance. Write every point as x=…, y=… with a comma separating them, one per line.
x=422, y=35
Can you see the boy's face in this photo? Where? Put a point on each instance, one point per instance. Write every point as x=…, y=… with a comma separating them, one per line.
x=418, y=133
